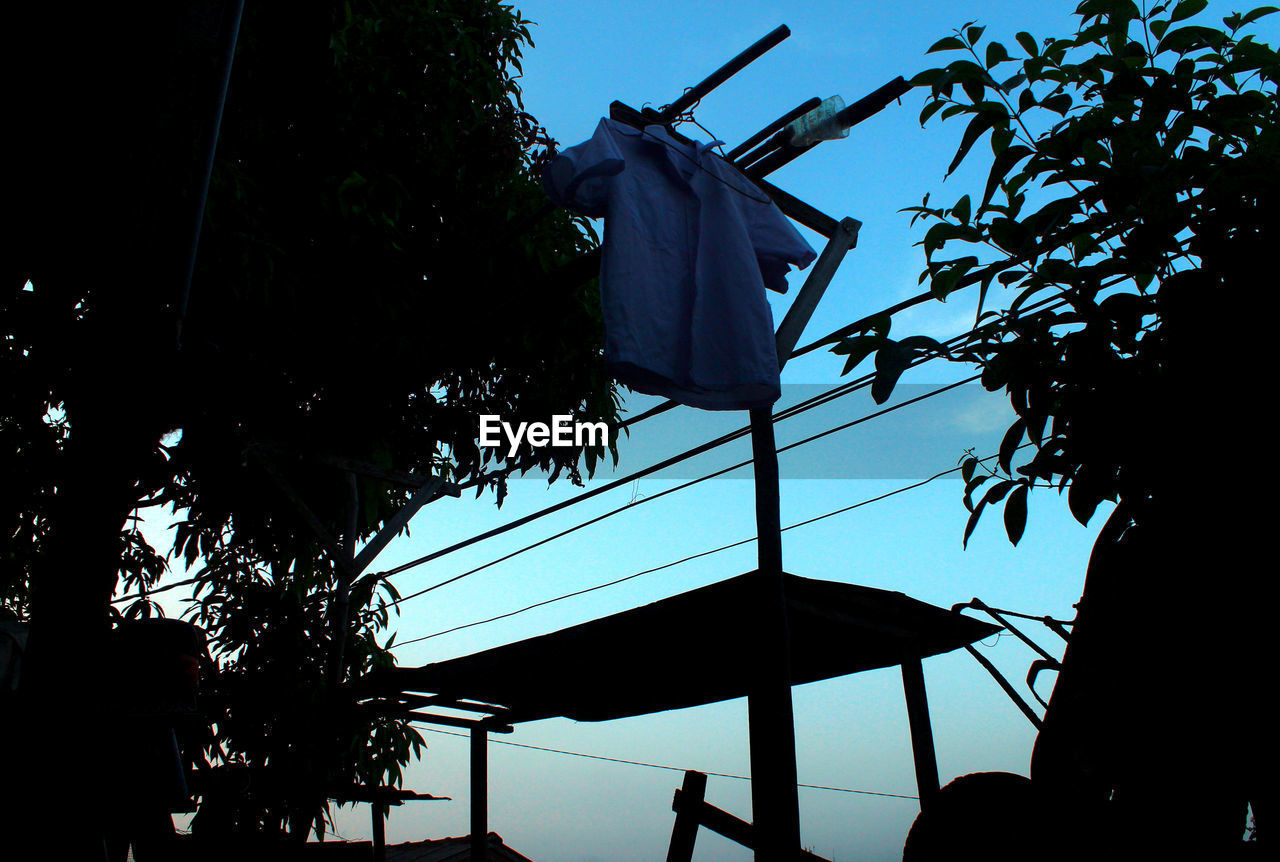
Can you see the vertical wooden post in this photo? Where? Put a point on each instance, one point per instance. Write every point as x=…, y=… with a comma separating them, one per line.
x=921, y=731
x=479, y=794
x=775, y=803
x=379, y=832
x=764, y=453
x=684, y=832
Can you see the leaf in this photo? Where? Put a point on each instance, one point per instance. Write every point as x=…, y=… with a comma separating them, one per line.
x=926, y=78
x=1059, y=104
x=1254, y=15
x=857, y=348
x=972, y=485
x=977, y=126
x=891, y=360
x=930, y=109
x=972, y=523
x=1185, y=39
x=967, y=467
x=1082, y=499
x=1000, y=167
x=947, y=278
x=996, y=54
x=1187, y=8
x=1009, y=444
x=973, y=34
x=994, y=494
x=1028, y=43
x=950, y=43
x=1015, y=514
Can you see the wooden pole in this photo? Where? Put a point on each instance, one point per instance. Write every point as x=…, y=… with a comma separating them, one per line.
x=479, y=794
x=724, y=73
x=684, y=832
x=775, y=803
x=806, y=301
x=921, y=731
x=380, y=832
x=860, y=110
x=776, y=126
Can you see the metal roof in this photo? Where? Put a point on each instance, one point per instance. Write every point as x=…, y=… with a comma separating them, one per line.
x=695, y=648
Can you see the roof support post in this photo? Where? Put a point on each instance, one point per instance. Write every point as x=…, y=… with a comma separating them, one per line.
x=775, y=804
x=926, y=760
x=684, y=832
x=479, y=794
x=379, y=831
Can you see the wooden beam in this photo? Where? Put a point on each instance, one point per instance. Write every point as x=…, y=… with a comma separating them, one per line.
x=432, y=488
x=735, y=829
x=793, y=207
x=1007, y=688
x=379, y=831
x=406, y=700
x=790, y=205
x=724, y=73
x=774, y=798
x=860, y=110
x=926, y=759
x=806, y=301
x=479, y=795
x=776, y=126
x=764, y=452
x=450, y=721
x=684, y=832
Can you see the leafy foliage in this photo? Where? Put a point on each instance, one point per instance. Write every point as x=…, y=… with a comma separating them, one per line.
x=272, y=701
x=1131, y=200
x=370, y=280
x=372, y=286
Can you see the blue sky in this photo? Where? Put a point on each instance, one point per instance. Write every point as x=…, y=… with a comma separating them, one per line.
x=851, y=732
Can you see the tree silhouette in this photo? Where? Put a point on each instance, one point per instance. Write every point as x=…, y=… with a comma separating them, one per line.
x=1130, y=210
x=369, y=281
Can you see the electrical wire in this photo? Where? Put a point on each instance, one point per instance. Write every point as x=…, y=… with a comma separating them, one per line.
x=648, y=499
x=727, y=547
x=1047, y=304
x=664, y=766
x=1043, y=306
x=843, y=389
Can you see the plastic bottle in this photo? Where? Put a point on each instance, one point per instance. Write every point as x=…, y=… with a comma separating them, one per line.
x=820, y=124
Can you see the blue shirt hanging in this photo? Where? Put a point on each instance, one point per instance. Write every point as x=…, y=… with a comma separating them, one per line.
x=689, y=247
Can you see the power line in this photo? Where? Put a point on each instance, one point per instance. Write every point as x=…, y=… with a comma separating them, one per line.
x=664, y=766
x=795, y=410
x=1041, y=306
x=787, y=413
x=681, y=487
x=727, y=547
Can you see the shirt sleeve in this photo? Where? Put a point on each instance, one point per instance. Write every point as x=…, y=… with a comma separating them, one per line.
x=579, y=177
x=778, y=245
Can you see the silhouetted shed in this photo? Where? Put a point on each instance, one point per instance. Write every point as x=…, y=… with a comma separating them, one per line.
x=699, y=647
x=695, y=648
